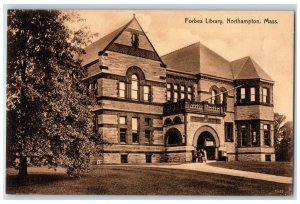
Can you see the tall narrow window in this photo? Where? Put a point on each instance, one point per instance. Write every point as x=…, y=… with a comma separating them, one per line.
x=267, y=135
x=168, y=92
x=254, y=137
x=244, y=135
x=228, y=132
x=243, y=94
x=135, y=40
x=168, y=95
x=190, y=93
x=176, y=93
x=135, y=135
x=134, y=87
x=123, y=135
x=146, y=93
x=121, y=89
x=265, y=95
x=221, y=98
x=96, y=88
x=147, y=136
x=93, y=89
x=252, y=94
x=182, y=92
x=213, y=96
x=175, y=96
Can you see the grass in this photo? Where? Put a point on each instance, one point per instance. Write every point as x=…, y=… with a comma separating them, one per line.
x=129, y=180
x=274, y=168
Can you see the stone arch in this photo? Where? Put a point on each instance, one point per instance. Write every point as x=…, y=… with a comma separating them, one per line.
x=173, y=137
x=206, y=128
x=216, y=90
x=168, y=121
x=135, y=70
x=177, y=120
x=214, y=87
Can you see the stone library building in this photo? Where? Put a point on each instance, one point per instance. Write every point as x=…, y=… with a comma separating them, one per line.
x=154, y=109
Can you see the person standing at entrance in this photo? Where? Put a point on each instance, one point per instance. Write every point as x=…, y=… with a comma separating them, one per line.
x=194, y=156
x=199, y=155
x=204, y=154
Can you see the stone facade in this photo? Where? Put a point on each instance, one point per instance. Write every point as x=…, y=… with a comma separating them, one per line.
x=148, y=112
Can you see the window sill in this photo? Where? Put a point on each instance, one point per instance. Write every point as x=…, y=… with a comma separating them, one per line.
x=229, y=141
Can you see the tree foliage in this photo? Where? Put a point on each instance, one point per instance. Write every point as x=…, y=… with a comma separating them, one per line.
x=284, y=132
x=49, y=117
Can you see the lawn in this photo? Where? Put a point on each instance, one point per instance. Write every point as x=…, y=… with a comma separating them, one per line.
x=129, y=180
x=274, y=168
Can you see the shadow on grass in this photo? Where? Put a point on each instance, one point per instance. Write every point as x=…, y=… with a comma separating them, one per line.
x=128, y=180
x=13, y=182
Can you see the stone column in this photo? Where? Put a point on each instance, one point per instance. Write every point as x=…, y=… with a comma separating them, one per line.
x=217, y=153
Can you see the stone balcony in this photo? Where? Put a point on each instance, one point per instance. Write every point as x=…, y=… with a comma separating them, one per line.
x=184, y=106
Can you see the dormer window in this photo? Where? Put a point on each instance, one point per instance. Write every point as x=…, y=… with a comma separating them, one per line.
x=135, y=40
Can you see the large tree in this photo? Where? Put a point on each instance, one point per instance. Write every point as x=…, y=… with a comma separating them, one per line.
x=284, y=132
x=49, y=117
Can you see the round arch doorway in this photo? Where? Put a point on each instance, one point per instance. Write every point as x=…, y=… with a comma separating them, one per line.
x=207, y=142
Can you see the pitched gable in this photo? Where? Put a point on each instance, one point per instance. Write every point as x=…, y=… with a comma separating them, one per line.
x=120, y=41
x=100, y=45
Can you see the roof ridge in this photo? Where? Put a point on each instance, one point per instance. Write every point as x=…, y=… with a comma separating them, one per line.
x=214, y=52
x=241, y=66
x=90, y=45
x=240, y=59
x=180, y=48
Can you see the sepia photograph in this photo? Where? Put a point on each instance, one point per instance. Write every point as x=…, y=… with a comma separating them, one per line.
x=150, y=102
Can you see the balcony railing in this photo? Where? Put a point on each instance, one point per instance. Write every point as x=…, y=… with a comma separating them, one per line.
x=194, y=107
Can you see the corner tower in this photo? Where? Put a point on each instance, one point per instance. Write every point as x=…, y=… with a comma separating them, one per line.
x=254, y=115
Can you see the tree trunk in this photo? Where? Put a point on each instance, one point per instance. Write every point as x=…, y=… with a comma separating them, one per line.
x=23, y=168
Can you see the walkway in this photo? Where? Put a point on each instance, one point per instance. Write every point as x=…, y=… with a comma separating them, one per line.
x=202, y=167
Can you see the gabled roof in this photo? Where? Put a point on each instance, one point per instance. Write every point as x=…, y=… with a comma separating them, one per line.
x=247, y=68
x=197, y=58
x=103, y=43
x=92, y=50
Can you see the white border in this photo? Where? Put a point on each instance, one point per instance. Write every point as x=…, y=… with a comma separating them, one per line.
x=84, y=4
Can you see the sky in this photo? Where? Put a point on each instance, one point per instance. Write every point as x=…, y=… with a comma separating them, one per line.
x=270, y=45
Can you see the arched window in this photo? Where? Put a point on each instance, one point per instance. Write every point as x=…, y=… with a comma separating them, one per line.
x=177, y=120
x=168, y=121
x=213, y=96
x=173, y=137
x=223, y=96
x=134, y=87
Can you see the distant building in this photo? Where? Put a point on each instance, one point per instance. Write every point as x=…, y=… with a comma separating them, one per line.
x=155, y=108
